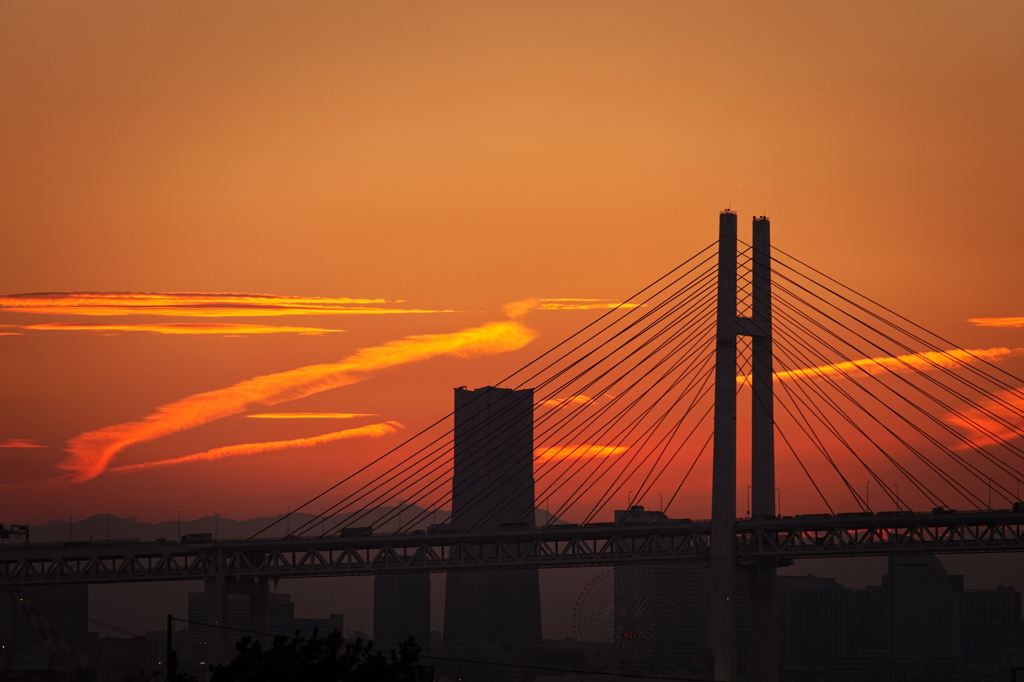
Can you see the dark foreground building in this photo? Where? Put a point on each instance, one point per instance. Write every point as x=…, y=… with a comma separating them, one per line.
x=43, y=627
x=660, y=611
x=492, y=488
x=401, y=609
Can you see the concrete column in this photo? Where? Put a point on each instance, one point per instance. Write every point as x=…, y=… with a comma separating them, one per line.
x=723, y=492
x=762, y=412
x=764, y=644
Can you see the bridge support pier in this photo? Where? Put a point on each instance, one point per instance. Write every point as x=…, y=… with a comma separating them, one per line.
x=762, y=579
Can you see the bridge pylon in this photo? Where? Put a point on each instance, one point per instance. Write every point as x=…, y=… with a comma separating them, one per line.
x=724, y=571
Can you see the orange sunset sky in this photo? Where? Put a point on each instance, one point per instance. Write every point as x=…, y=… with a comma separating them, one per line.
x=233, y=210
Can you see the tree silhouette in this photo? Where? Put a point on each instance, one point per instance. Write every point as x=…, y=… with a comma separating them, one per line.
x=321, y=659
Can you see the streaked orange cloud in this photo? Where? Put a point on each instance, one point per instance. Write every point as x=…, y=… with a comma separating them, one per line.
x=192, y=304
x=989, y=417
x=246, y=449
x=582, y=304
x=582, y=451
x=517, y=309
x=1012, y=322
x=10, y=334
x=91, y=453
x=20, y=443
x=925, y=360
x=182, y=329
x=307, y=415
x=570, y=401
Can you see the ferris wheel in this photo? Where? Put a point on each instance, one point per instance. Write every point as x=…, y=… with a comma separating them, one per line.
x=625, y=622
x=593, y=618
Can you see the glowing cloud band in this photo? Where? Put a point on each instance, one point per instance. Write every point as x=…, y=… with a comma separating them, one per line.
x=987, y=426
x=925, y=360
x=307, y=415
x=191, y=304
x=559, y=452
x=178, y=329
x=571, y=401
x=246, y=449
x=91, y=453
x=20, y=443
x=1011, y=322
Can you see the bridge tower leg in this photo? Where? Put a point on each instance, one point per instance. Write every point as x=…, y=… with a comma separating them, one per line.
x=764, y=643
x=723, y=484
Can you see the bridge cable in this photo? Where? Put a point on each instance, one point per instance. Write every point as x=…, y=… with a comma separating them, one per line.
x=552, y=464
x=558, y=345
x=923, y=356
x=868, y=412
x=917, y=407
x=481, y=424
x=559, y=423
x=1014, y=389
x=819, y=358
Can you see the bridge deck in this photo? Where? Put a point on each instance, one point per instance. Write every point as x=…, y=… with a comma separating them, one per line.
x=775, y=539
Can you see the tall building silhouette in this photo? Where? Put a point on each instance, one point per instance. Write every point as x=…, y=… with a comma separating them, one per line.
x=820, y=619
x=492, y=489
x=924, y=608
x=401, y=609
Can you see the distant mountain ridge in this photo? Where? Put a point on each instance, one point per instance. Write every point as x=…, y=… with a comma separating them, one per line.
x=113, y=527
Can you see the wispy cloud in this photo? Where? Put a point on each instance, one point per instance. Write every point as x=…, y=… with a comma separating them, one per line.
x=176, y=329
x=985, y=425
x=582, y=451
x=924, y=361
x=517, y=309
x=20, y=443
x=199, y=304
x=582, y=304
x=91, y=453
x=307, y=415
x=569, y=401
x=246, y=449
x=1012, y=322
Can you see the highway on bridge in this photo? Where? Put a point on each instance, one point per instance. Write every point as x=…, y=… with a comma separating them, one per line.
x=773, y=540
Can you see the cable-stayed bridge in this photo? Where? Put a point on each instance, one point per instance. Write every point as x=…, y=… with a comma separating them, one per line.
x=886, y=425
